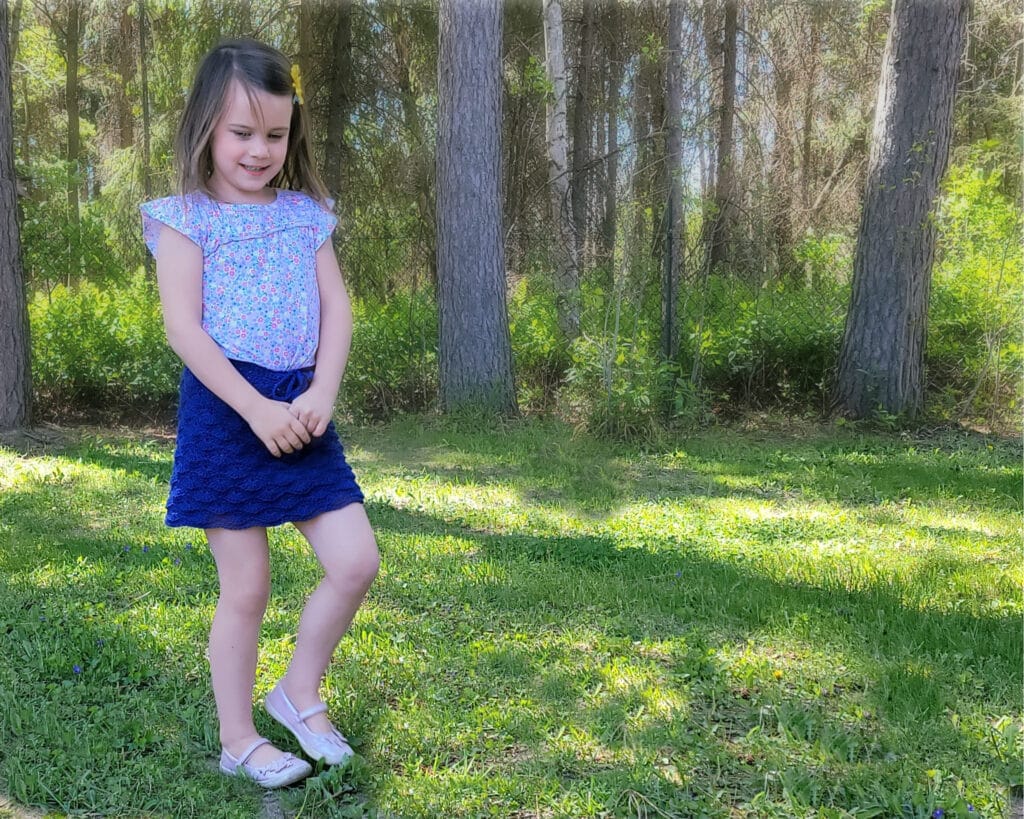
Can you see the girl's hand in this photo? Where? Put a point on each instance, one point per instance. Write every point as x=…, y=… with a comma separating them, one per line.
x=279, y=430
x=314, y=409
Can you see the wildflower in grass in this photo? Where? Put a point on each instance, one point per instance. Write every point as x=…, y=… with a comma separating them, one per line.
x=100, y=642
x=939, y=813
x=188, y=547
x=76, y=668
x=177, y=561
x=679, y=574
x=42, y=618
x=127, y=548
x=145, y=549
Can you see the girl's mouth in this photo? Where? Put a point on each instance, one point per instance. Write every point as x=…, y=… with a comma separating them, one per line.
x=254, y=169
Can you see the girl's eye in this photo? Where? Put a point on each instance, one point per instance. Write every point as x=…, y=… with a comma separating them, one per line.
x=242, y=134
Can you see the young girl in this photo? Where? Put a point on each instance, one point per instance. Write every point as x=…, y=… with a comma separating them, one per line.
x=255, y=306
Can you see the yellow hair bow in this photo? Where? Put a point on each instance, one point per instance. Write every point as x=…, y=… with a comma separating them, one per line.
x=297, y=83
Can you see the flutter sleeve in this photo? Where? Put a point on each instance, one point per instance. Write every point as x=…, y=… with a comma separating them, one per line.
x=182, y=214
x=324, y=222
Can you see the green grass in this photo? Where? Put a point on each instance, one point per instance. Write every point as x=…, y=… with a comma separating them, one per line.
x=743, y=622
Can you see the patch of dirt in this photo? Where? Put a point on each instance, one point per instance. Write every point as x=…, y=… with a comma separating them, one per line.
x=8, y=810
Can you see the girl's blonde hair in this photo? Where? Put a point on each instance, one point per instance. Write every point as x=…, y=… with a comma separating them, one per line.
x=257, y=67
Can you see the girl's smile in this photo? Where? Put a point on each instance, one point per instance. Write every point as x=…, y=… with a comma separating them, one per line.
x=249, y=144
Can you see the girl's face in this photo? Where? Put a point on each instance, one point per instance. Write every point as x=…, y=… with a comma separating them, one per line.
x=249, y=145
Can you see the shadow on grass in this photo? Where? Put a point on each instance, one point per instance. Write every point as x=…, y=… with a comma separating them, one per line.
x=587, y=475
x=148, y=716
x=584, y=474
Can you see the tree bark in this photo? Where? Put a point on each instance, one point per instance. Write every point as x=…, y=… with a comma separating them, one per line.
x=566, y=245
x=782, y=156
x=74, y=138
x=404, y=34
x=12, y=53
x=147, y=163
x=582, y=117
x=126, y=71
x=609, y=225
x=806, y=160
x=881, y=363
x=339, y=101
x=674, y=163
x=724, y=175
x=475, y=350
x=15, y=372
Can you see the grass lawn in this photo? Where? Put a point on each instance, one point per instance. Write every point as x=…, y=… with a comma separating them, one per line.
x=792, y=622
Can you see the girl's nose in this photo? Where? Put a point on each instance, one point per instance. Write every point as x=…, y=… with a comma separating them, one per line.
x=258, y=148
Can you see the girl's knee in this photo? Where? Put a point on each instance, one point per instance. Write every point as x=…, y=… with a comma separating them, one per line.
x=358, y=566
x=366, y=561
x=247, y=598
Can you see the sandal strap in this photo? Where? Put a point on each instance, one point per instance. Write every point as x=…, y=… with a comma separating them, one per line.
x=248, y=752
x=319, y=708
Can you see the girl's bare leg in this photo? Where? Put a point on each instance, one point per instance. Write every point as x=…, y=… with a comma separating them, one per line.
x=243, y=566
x=346, y=548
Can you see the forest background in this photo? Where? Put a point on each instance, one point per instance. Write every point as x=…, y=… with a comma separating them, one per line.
x=764, y=281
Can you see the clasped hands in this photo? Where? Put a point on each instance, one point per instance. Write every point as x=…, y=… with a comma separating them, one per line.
x=285, y=427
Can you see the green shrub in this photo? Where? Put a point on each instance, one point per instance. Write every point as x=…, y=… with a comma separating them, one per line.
x=826, y=259
x=540, y=356
x=767, y=345
x=975, y=345
x=99, y=346
x=392, y=366
x=616, y=388
x=46, y=233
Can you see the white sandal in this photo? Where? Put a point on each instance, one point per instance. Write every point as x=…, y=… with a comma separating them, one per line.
x=331, y=747
x=284, y=771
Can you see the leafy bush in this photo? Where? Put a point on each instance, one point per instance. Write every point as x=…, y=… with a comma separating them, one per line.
x=99, y=346
x=47, y=234
x=975, y=344
x=825, y=259
x=616, y=388
x=767, y=345
x=392, y=366
x=540, y=356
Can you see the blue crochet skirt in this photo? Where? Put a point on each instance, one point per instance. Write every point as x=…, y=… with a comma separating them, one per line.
x=225, y=478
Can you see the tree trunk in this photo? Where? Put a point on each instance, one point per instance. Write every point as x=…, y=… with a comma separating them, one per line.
x=475, y=350
x=724, y=176
x=339, y=101
x=74, y=139
x=15, y=373
x=315, y=19
x=648, y=91
x=608, y=227
x=674, y=163
x=566, y=246
x=305, y=24
x=881, y=363
x=126, y=71
x=12, y=53
x=806, y=167
x=782, y=155
x=404, y=36
x=581, y=125
x=147, y=175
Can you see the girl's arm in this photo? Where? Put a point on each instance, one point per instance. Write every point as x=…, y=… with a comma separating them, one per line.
x=179, y=273
x=316, y=405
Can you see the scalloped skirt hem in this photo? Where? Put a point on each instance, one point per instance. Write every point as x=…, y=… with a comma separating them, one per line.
x=224, y=477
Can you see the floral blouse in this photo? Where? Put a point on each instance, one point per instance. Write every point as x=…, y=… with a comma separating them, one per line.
x=260, y=298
